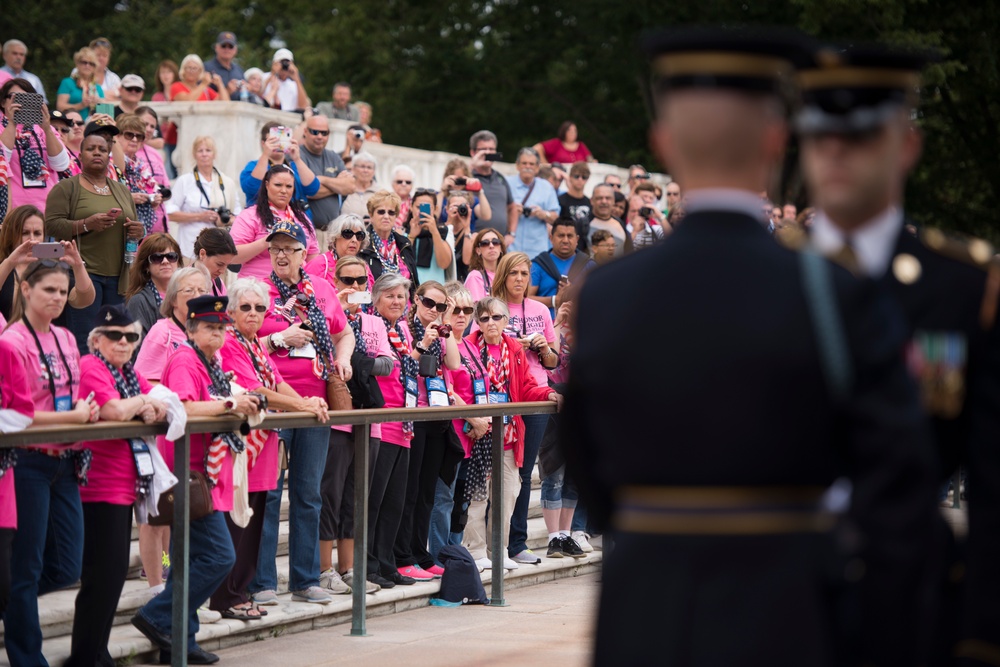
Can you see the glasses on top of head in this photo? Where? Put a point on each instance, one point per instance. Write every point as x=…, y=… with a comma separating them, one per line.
x=351, y=234
x=360, y=281
x=318, y=133
x=44, y=264
x=158, y=257
x=483, y=319
x=246, y=308
x=424, y=191
x=431, y=303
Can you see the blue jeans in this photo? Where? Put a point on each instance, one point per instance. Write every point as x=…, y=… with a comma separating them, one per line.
x=211, y=558
x=81, y=320
x=306, y=461
x=534, y=430
x=47, y=553
x=558, y=492
x=440, y=534
x=580, y=520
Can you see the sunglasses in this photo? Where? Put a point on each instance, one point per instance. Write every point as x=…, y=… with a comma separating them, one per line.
x=404, y=182
x=464, y=310
x=360, y=281
x=158, y=257
x=65, y=130
x=431, y=303
x=385, y=211
x=488, y=242
x=135, y=89
x=76, y=123
x=227, y=46
x=129, y=336
x=44, y=264
x=486, y=318
x=87, y=62
x=134, y=136
x=318, y=133
x=246, y=308
x=351, y=234
x=640, y=177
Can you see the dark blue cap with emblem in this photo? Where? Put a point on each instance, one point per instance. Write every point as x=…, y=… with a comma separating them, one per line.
x=291, y=230
x=113, y=316
x=209, y=309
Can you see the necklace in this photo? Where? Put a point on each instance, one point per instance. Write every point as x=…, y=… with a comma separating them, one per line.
x=106, y=190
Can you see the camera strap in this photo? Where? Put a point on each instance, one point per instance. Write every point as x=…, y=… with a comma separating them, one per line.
x=222, y=188
x=530, y=190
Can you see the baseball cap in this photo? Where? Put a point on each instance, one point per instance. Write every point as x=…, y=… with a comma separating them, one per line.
x=226, y=38
x=100, y=126
x=289, y=229
x=133, y=81
x=282, y=54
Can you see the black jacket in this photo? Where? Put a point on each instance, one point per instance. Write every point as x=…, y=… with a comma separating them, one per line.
x=405, y=251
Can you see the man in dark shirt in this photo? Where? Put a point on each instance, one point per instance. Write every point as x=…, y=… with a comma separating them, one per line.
x=574, y=204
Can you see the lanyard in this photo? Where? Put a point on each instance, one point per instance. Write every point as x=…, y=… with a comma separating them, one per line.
x=474, y=357
x=45, y=360
x=524, y=318
x=222, y=188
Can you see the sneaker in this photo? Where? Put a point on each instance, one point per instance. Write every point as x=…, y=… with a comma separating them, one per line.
x=206, y=615
x=165, y=562
x=527, y=557
x=156, y=590
x=583, y=541
x=570, y=548
x=414, y=572
x=484, y=564
x=266, y=598
x=508, y=564
x=332, y=581
x=380, y=581
x=370, y=586
x=555, y=548
x=313, y=594
x=436, y=570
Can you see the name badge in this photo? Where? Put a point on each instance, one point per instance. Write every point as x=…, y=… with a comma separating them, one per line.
x=479, y=389
x=64, y=403
x=411, y=392
x=32, y=182
x=307, y=351
x=437, y=392
x=143, y=459
x=500, y=397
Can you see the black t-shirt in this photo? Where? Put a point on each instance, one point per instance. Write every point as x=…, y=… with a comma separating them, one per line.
x=578, y=210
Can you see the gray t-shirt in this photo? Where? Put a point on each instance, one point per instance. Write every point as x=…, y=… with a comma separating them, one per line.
x=497, y=192
x=330, y=165
x=350, y=112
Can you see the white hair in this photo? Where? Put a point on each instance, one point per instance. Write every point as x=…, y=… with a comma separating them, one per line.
x=241, y=287
x=404, y=169
x=192, y=58
x=97, y=331
x=366, y=157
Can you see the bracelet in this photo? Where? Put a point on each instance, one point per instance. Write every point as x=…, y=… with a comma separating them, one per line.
x=85, y=230
x=553, y=302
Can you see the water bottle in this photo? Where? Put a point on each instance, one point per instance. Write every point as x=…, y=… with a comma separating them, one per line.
x=131, y=248
x=244, y=93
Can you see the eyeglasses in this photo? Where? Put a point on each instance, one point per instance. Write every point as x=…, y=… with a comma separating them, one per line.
x=640, y=177
x=134, y=136
x=284, y=251
x=318, y=133
x=246, y=308
x=404, y=182
x=102, y=42
x=385, y=211
x=488, y=242
x=616, y=186
x=431, y=303
x=673, y=194
x=464, y=310
x=135, y=89
x=351, y=234
x=353, y=280
x=200, y=291
x=44, y=264
x=486, y=318
x=158, y=257
x=65, y=130
x=129, y=336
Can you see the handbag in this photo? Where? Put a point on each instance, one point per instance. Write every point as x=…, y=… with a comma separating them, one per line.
x=200, y=501
x=364, y=388
x=338, y=396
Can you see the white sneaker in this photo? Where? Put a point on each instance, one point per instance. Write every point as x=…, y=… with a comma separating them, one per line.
x=484, y=564
x=206, y=616
x=509, y=564
x=583, y=540
x=332, y=581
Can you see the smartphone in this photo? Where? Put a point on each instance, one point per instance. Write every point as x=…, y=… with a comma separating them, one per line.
x=30, y=112
x=106, y=108
x=115, y=212
x=284, y=135
x=493, y=157
x=306, y=326
x=48, y=251
x=359, y=297
x=425, y=209
x=564, y=279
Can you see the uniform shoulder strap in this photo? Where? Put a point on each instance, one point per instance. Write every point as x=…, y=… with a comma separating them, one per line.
x=827, y=324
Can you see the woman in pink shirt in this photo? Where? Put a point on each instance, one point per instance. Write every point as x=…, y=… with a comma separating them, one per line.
x=252, y=227
x=244, y=355
x=487, y=251
x=48, y=546
x=153, y=158
x=120, y=470
x=195, y=375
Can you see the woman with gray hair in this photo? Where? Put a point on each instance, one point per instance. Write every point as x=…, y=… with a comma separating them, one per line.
x=363, y=167
x=244, y=355
x=348, y=237
x=195, y=82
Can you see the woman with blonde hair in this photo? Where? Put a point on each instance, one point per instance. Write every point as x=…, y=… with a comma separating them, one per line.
x=194, y=83
x=80, y=91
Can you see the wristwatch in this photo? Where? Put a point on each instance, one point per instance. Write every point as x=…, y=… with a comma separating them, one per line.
x=421, y=349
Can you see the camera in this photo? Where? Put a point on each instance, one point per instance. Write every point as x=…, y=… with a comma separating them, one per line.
x=444, y=331
x=165, y=192
x=646, y=212
x=528, y=210
x=261, y=399
x=358, y=134
x=285, y=64
x=493, y=157
x=225, y=215
x=463, y=210
x=460, y=180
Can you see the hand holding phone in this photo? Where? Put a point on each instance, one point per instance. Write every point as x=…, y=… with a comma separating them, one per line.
x=114, y=213
x=48, y=250
x=359, y=297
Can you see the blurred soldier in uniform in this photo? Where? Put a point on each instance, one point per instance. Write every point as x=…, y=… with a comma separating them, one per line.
x=722, y=554
x=858, y=143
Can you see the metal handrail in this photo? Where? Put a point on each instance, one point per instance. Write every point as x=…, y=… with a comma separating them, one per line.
x=39, y=435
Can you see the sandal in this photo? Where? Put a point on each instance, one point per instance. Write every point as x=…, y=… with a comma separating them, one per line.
x=260, y=610
x=242, y=613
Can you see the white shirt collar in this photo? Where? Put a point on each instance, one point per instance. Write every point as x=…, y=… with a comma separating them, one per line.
x=873, y=242
x=724, y=199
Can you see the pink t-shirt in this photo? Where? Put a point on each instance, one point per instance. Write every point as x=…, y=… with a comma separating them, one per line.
x=157, y=348
x=19, y=338
x=376, y=345
x=13, y=396
x=112, y=475
x=556, y=152
x=527, y=318
x=395, y=397
x=186, y=376
x=264, y=474
x=248, y=228
x=474, y=283
x=298, y=371
x=22, y=193
x=461, y=382
x=155, y=162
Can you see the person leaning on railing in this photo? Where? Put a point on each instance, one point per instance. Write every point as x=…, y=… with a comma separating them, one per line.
x=48, y=545
x=244, y=355
x=115, y=480
x=195, y=375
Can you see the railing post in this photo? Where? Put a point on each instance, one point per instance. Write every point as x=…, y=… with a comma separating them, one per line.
x=360, y=581
x=496, y=516
x=181, y=552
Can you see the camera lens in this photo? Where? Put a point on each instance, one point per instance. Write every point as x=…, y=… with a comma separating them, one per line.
x=165, y=193
x=463, y=210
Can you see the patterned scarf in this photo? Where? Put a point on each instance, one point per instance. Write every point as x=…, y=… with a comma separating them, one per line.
x=409, y=368
x=217, y=449
x=359, y=339
x=437, y=349
x=388, y=253
x=303, y=298
x=127, y=386
x=32, y=164
x=265, y=375
x=156, y=293
x=282, y=216
x=499, y=374
x=139, y=178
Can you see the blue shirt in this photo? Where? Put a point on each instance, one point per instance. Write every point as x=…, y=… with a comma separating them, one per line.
x=532, y=234
x=251, y=186
x=546, y=284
